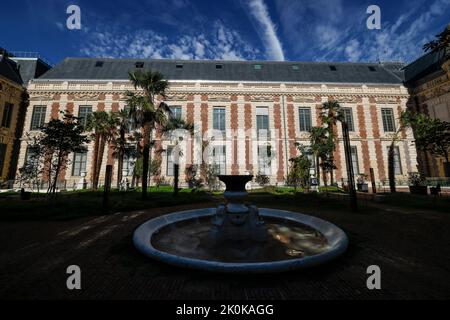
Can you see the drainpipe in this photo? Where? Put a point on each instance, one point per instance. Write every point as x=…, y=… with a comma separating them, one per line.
x=285, y=136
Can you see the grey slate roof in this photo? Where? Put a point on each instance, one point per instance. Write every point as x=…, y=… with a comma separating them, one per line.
x=30, y=68
x=425, y=65
x=9, y=69
x=271, y=71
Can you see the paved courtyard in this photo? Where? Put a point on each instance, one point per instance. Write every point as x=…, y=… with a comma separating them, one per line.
x=411, y=248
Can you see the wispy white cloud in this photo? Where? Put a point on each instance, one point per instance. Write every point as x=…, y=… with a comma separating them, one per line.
x=353, y=50
x=266, y=29
x=60, y=26
x=330, y=30
x=404, y=40
x=220, y=43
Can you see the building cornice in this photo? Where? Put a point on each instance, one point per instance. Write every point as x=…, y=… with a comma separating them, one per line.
x=184, y=88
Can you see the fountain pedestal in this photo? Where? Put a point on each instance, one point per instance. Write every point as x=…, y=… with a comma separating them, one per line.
x=236, y=221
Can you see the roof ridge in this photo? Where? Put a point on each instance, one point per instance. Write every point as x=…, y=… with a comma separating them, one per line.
x=228, y=61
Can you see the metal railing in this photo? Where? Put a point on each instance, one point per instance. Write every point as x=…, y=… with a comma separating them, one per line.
x=28, y=54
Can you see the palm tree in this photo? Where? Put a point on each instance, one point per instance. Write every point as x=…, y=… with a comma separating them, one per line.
x=168, y=130
x=406, y=119
x=331, y=114
x=441, y=43
x=147, y=112
x=104, y=126
x=318, y=140
x=122, y=144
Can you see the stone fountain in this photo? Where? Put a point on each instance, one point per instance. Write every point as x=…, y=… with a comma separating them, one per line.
x=235, y=220
x=237, y=237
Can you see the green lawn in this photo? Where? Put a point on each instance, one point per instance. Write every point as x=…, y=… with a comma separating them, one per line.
x=69, y=205
x=409, y=201
x=75, y=204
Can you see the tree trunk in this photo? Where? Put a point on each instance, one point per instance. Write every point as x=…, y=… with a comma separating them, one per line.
x=146, y=155
x=119, y=169
x=120, y=158
x=318, y=171
x=176, y=171
x=145, y=171
x=101, y=151
x=391, y=169
x=94, y=166
x=325, y=178
x=55, y=178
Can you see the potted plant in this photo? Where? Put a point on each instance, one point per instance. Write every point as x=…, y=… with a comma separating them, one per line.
x=361, y=183
x=417, y=183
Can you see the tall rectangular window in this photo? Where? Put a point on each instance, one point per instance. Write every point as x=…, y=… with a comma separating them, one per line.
x=128, y=165
x=176, y=112
x=2, y=156
x=31, y=157
x=387, y=115
x=262, y=122
x=311, y=158
x=397, y=162
x=170, y=162
x=348, y=117
x=219, y=159
x=38, y=117
x=132, y=122
x=304, y=115
x=79, y=163
x=7, y=114
x=83, y=113
x=219, y=119
x=264, y=159
x=355, y=164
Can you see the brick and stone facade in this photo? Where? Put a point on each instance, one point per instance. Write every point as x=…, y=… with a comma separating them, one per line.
x=240, y=100
x=428, y=80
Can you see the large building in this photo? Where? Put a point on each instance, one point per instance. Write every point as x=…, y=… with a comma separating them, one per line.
x=241, y=99
x=14, y=76
x=429, y=81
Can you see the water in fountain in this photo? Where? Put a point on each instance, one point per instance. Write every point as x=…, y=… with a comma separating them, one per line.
x=237, y=233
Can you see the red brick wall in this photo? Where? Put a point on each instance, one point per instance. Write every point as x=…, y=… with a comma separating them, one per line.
x=234, y=127
x=248, y=145
x=363, y=135
x=190, y=119
x=55, y=110
x=277, y=125
x=378, y=146
x=204, y=116
x=291, y=128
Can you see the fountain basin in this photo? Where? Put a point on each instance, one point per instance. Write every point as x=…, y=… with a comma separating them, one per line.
x=145, y=235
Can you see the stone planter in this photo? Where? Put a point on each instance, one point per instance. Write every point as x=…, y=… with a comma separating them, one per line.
x=419, y=190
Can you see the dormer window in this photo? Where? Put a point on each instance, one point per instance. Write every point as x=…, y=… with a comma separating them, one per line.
x=179, y=66
x=333, y=68
x=372, y=68
x=139, y=65
x=99, y=64
x=219, y=66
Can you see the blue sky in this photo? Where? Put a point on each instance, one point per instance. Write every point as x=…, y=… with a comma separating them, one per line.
x=304, y=30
